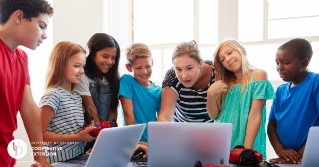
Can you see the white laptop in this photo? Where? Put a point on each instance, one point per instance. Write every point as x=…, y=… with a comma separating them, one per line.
x=182, y=144
x=311, y=154
x=115, y=146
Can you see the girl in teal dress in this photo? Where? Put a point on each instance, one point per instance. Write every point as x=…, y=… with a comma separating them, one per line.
x=239, y=96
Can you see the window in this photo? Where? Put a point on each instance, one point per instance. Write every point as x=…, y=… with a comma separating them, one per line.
x=293, y=18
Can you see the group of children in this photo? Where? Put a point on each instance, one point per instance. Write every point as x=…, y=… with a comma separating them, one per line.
x=80, y=88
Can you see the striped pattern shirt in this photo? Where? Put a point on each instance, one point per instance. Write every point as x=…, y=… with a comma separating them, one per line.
x=68, y=119
x=191, y=102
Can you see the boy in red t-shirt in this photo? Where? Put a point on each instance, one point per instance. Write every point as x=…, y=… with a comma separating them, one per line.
x=22, y=22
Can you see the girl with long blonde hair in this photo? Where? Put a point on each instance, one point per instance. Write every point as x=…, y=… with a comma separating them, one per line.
x=60, y=107
x=239, y=95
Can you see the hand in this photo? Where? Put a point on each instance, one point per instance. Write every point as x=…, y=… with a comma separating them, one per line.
x=89, y=151
x=216, y=88
x=290, y=156
x=142, y=147
x=84, y=135
x=41, y=162
x=278, y=160
x=143, y=143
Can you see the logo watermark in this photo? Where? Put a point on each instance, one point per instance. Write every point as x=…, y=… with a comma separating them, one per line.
x=17, y=148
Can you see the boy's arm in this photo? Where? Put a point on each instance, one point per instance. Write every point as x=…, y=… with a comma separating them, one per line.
x=254, y=121
x=111, y=115
x=32, y=122
x=289, y=155
x=301, y=150
x=128, y=109
x=47, y=114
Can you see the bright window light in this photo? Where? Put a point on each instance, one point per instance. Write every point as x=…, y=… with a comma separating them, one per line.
x=157, y=65
x=162, y=22
x=167, y=60
x=292, y=8
x=263, y=57
x=313, y=66
x=119, y=22
x=293, y=18
x=250, y=20
x=208, y=21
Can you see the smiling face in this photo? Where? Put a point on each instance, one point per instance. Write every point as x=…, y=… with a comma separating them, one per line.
x=289, y=66
x=142, y=70
x=74, y=68
x=187, y=70
x=105, y=59
x=32, y=33
x=230, y=59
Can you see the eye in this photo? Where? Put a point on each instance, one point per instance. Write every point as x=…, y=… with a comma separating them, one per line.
x=230, y=52
x=76, y=66
x=189, y=68
x=41, y=26
x=221, y=60
x=177, y=69
x=113, y=57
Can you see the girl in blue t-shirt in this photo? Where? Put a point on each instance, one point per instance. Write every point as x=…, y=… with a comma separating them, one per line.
x=140, y=97
x=239, y=95
x=60, y=107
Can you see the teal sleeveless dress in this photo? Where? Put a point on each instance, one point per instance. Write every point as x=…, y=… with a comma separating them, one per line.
x=236, y=109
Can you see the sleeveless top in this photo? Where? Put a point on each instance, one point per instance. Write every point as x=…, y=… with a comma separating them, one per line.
x=191, y=102
x=236, y=109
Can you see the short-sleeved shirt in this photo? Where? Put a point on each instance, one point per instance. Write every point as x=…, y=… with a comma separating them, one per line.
x=68, y=119
x=236, y=108
x=191, y=102
x=146, y=101
x=296, y=109
x=14, y=76
x=83, y=87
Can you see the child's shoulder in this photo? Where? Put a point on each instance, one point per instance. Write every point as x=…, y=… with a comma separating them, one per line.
x=126, y=77
x=53, y=91
x=260, y=74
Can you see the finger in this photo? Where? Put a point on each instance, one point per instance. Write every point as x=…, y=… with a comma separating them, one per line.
x=285, y=157
x=290, y=155
x=282, y=161
x=295, y=158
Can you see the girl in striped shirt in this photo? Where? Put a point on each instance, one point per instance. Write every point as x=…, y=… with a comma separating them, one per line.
x=60, y=107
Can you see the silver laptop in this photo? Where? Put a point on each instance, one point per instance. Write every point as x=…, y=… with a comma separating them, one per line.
x=115, y=146
x=311, y=153
x=182, y=144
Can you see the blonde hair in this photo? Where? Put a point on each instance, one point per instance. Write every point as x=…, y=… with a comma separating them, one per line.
x=59, y=56
x=187, y=48
x=221, y=73
x=137, y=50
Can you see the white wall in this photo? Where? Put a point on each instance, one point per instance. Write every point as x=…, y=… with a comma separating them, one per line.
x=78, y=20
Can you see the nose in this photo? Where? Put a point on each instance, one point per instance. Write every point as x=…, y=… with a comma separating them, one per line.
x=44, y=35
x=279, y=67
x=144, y=70
x=184, y=74
x=109, y=61
x=81, y=70
x=227, y=59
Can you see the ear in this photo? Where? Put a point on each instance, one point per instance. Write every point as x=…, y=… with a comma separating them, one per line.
x=128, y=67
x=17, y=16
x=305, y=63
x=201, y=64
